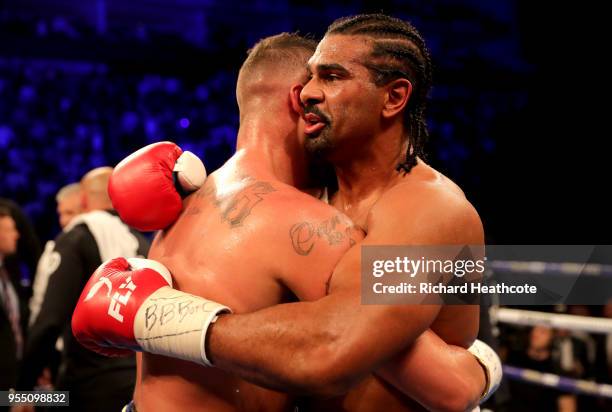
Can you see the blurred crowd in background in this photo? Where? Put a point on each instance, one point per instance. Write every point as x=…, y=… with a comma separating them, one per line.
x=76, y=95
x=564, y=352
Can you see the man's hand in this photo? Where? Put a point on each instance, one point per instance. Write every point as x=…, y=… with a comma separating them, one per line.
x=146, y=188
x=444, y=378
x=129, y=305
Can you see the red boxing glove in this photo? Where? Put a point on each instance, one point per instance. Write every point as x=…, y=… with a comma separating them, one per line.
x=129, y=305
x=103, y=320
x=145, y=187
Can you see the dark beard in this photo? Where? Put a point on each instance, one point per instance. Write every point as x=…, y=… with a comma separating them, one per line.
x=318, y=148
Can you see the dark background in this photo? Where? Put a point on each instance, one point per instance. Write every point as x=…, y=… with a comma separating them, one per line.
x=517, y=116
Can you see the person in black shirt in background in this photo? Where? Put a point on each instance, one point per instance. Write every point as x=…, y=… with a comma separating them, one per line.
x=22, y=264
x=96, y=383
x=68, y=200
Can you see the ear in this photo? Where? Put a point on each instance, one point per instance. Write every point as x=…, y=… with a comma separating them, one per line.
x=294, y=97
x=396, y=99
x=83, y=201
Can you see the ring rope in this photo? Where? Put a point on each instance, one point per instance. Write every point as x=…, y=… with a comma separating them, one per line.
x=557, y=268
x=560, y=382
x=553, y=320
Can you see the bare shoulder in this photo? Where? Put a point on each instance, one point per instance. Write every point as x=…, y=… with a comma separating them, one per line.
x=309, y=238
x=312, y=224
x=427, y=208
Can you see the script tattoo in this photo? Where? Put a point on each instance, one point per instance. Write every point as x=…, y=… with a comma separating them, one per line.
x=304, y=234
x=301, y=238
x=235, y=207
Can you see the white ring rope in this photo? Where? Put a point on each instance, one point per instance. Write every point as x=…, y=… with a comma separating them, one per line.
x=557, y=268
x=560, y=382
x=553, y=320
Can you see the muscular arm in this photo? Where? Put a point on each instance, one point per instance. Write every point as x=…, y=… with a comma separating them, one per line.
x=417, y=372
x=322, y=346
x=440, y=377
x=328, y=345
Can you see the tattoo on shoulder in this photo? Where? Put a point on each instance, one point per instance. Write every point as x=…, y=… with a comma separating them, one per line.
x=238, y=207
x=302, y=237
x=334, y=231
x=235, y=206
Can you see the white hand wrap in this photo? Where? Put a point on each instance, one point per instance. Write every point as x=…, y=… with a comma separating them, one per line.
x=174, y=323
x=491, y=364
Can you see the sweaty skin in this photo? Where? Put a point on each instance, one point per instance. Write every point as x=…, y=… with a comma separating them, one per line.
x=259, y=243
x=249, y=239
x=233, y=244
x=418, y=197
x=329, y=345
x=334, y=343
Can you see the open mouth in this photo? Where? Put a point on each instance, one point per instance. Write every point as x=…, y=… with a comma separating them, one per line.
x=314, y=123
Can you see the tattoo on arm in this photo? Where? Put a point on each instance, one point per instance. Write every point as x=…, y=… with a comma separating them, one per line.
x=304, y=234
x=302, y=238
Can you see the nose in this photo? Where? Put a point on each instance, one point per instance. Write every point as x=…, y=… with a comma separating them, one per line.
x=311, y=94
